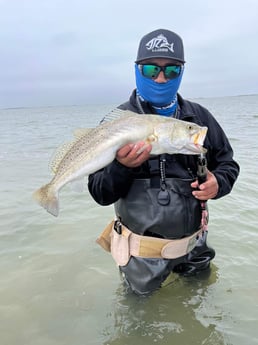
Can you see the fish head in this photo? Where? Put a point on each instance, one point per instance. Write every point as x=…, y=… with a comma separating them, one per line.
x=197, y=137
x=185, y=137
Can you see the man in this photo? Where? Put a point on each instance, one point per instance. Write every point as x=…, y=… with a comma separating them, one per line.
x=158, y=199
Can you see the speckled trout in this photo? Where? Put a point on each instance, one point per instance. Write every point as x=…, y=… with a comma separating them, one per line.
x=95, y=148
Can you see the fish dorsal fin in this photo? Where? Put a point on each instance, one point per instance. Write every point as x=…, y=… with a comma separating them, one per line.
x=116, y=114
x=63, y=149
x=81, y=132
x=59, y=155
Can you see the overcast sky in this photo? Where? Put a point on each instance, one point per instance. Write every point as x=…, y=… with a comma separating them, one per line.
x=57, y=52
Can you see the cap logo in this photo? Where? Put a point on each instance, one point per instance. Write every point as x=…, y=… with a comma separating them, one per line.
x=160, y=44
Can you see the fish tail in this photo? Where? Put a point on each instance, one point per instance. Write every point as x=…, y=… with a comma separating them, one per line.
x=47, y=197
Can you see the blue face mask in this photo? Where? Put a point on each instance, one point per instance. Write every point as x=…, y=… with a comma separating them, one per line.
x=158, y=94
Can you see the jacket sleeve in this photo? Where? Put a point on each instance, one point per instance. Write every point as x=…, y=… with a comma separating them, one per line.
x=107, y=185
x=220, y=158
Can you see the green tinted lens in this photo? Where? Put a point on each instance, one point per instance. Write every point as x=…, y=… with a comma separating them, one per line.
x=150, y=71
x=172, y=72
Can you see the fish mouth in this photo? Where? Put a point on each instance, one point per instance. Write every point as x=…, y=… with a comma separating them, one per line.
x=198, y=138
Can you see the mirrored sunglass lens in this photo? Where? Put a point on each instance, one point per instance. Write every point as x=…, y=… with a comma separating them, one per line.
x=150, y=71
x=172, y=71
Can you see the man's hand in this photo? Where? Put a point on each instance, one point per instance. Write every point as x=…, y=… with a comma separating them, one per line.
x=133, y=155
x=208, y=189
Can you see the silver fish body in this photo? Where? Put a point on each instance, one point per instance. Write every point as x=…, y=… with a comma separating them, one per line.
x=95, y=148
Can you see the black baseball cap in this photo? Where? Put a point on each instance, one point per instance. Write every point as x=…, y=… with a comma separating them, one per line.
x=161, y=43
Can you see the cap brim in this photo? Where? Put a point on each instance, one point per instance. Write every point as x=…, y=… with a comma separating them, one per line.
x=159, y=57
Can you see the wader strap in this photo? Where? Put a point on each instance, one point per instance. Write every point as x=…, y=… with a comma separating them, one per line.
x=146, y=246
x=152, y=247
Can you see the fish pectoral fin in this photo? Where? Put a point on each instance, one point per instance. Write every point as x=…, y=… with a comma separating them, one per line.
x=78, y=185
x=150, y=140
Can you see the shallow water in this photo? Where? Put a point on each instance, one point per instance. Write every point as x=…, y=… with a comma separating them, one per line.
x=57, y=286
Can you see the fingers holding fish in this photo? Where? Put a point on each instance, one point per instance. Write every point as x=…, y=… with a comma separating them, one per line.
x=133, y=155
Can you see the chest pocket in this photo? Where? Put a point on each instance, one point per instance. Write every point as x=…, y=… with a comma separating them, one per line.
x=143, y=212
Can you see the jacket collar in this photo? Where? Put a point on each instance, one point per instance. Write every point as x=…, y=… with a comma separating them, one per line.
x=185, y=112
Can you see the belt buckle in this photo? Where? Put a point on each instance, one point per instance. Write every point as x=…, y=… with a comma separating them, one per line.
x=118, y=227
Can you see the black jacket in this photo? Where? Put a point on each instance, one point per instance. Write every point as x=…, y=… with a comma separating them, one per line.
x=113, y=182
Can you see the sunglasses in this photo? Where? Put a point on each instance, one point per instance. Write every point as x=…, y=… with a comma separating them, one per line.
x=152, y=71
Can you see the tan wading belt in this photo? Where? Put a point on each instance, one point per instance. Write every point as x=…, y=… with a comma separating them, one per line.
x=123, y=243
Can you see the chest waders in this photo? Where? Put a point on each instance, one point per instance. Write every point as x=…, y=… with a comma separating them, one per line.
x=162, y=207
x=165, y=208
